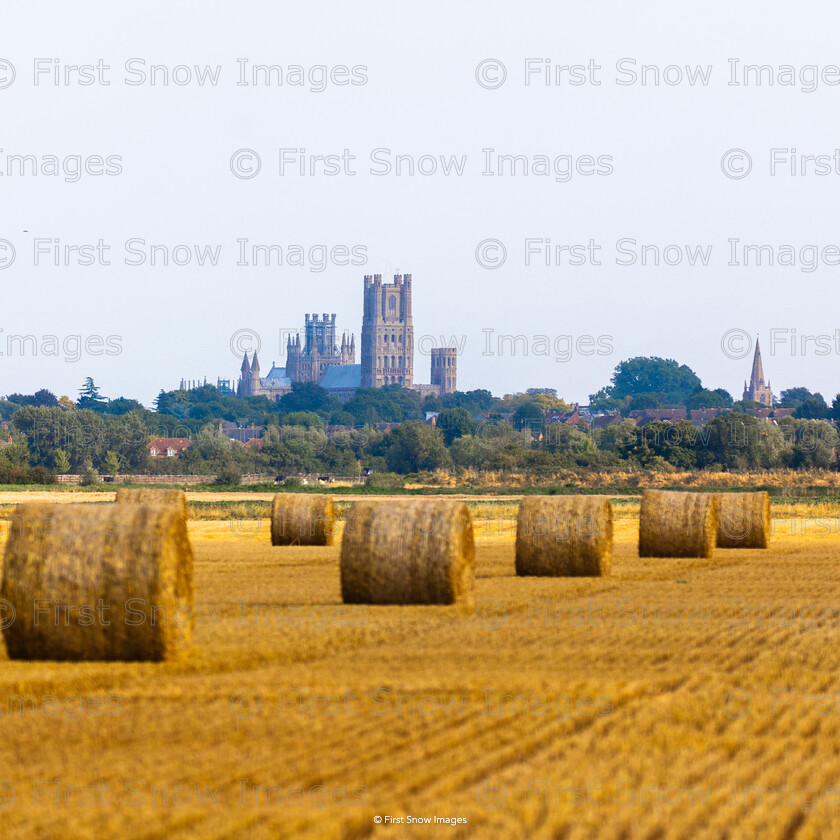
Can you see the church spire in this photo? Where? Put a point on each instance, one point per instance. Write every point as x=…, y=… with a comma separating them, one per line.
x=255, y=365
x=246, y=368
x=757, y=378
x=758, y=390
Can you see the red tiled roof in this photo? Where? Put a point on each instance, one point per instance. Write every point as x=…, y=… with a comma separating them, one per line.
x=165, y=444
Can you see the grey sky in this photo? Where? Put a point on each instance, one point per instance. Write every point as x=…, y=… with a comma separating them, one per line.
x=410, y=86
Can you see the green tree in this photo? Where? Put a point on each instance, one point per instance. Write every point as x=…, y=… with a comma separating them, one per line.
x=414, y=446
x=308, y=396
x=792, y=397
x=812, y=444
x=467, y=451
x=111, y=464
x=306, y=419
x=812, y=408
x=62, y=464
x=89, y=474
x=42, y=397
x=89, y=397
x=391, y=404
x=739, y=441
x=664, y=379
x=529, y=414
x=561, y=438
x=121, y=405
x=704, y=398
x=835, y=409
x=454, y=423
x=617, y=437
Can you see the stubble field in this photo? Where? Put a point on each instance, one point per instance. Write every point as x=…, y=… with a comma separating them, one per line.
x=675, y=698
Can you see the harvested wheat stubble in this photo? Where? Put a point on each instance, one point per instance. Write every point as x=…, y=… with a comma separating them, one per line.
x=417, y=551
x=677, y=524
x=743, y=520
x=559, y=536
x=302, y=519
x=152, y=496
x=98, y=583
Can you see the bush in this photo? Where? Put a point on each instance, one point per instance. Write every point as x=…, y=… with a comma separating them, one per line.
x=385, y=480
x=228, y=476
x=25, y=475
x=293, y=482
x=89, y=475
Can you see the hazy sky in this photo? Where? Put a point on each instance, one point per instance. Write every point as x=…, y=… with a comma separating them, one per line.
x=629, y=164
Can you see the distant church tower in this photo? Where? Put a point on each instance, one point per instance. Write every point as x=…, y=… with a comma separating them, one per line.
x=387, y=333
x=757, y=390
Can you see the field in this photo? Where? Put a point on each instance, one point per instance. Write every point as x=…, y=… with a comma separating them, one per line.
x=676, y=698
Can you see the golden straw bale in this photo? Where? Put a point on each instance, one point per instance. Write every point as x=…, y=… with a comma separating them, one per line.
x=302, y=519
x=152, y=496
x=677, y=524
x=560, y=536
x=743, y=520
x=408, y=551
x=98, y=582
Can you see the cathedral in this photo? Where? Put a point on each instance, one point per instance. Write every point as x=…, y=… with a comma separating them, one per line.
x=387, y=351
x=757, y=390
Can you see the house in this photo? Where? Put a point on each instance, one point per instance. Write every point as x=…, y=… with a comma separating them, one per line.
x=242, y=434
x=601, y=421
x=701, y=416
x=771, y=413
x=168, y=447
x=567, y=418
x=649, y=415
x=386, y=427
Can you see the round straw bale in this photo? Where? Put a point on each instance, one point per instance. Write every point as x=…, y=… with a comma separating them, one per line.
x=302, y=519
x=152, y=496
x=743, y=520
x=677, y=524
x=408, y=551
x=92, y=583
x=559, y=536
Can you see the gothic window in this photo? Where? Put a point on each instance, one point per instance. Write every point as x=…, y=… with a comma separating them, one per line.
x=392, y=303
x=393, y=362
